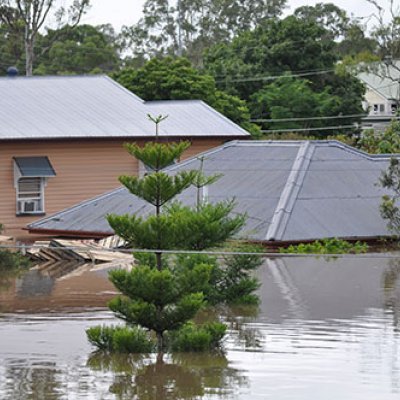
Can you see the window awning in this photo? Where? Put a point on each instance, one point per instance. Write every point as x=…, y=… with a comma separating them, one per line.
x=34, y=167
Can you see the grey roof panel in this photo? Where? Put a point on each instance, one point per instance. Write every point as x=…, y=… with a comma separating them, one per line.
x=335, y=217
x=96, y=107
x=289, y=190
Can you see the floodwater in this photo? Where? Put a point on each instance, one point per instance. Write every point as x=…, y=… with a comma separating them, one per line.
x=325, y=329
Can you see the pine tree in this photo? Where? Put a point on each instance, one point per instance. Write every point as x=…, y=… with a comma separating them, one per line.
x=156, y=294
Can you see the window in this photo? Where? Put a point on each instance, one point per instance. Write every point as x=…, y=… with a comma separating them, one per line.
x=30, y=178
x=379, y=108
x=30, y=195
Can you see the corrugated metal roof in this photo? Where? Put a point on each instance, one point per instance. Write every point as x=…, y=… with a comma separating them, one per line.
x=298, y=190
x=96, y=107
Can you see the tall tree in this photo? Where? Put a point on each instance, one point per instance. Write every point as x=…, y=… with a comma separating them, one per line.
x=187, y=27
x=175, y=79
x=12, y=52
x=33, y=14
x=386, y=31
x=328, y=15
x=158, y=295
x=287, y=49
x=83, y=49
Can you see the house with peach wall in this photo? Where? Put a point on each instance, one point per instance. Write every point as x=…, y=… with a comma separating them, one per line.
x=61, y=140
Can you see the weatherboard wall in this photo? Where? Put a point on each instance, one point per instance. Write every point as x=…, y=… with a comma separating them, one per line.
x=84, y=169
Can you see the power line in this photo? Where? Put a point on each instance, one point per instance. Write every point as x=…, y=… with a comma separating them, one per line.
x=273, y=77
x=322, y=128
x=309, y=118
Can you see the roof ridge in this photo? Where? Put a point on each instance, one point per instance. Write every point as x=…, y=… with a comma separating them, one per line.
x=290, y=191
x=221, y=116
x=362, y=153
x=124, y=89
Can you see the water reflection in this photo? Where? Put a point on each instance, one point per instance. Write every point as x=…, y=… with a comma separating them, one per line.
x=32, y=380
x=55, y=286
x=323, y=330
x=181, y=376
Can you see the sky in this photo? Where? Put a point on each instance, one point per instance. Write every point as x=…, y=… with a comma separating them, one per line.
x=127, y=12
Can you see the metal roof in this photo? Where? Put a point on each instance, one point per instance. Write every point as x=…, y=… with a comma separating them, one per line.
x=34, y=166
x=387, y=87
x=98, y=107
x=290, y=191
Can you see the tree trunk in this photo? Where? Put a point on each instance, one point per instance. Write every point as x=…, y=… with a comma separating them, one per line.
x=29, y=59
x=160, y=344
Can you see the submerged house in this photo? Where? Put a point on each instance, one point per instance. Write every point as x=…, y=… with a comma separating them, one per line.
x=291, y=191
x=61, y=140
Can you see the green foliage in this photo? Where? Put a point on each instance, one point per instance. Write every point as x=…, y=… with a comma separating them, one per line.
x=239, y=284
x=197, y=338
x=12, y=52
x=10, y=260
x=179, y=227
x=120, y=339
x=328, y=16
x=165, y=29
x=378, y=142
x=82, y=49
x=154, y=299
x=293, y=98
x=158, y=188
x=231, y=282
x=327, y=246
x=209, y=226
x=157, y=155
x=286, y=47
x=175, y=79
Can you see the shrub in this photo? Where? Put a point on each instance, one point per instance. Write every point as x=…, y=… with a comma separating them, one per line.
x=121, y=339
x=327, y=246
x=197, y=338
x=10, y=260
x=231, y=281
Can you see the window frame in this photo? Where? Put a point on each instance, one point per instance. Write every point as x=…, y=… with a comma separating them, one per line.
x=40, y=199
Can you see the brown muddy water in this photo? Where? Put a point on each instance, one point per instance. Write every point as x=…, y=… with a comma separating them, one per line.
x=324, y=330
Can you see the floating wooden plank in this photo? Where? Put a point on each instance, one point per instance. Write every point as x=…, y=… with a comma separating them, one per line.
x=75, y=251
x=112, y=242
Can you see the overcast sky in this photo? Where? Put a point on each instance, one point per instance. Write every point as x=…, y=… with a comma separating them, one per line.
x=127, y=12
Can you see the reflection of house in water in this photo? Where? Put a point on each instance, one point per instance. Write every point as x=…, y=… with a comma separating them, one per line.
x=59, y=286
x=320, y=289
x=34, y=283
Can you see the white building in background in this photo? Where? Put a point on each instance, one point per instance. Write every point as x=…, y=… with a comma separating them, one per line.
x=382, y=96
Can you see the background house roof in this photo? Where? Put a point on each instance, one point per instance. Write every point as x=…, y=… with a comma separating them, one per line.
x=296, y=190
x=386, y=87
x=97, y=107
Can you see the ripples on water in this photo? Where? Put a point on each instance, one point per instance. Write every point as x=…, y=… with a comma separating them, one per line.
x=324, y=330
